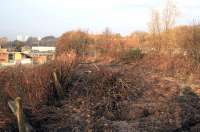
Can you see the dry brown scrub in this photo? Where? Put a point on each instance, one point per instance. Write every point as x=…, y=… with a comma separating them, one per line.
x=137, y=96
x=35, y=84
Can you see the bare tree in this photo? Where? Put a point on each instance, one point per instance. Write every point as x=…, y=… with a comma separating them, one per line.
x=170, y=14
x=155, y=22
x=162, y=32
x=195, y=43
x=155, y=29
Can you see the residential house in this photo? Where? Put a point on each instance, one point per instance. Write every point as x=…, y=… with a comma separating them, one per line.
x=42, y=54
x=37, y=55
x=3, y=56
x=18, y=58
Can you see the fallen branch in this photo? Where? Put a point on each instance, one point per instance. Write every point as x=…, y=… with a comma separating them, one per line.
x=17, y=109
x=58, y=86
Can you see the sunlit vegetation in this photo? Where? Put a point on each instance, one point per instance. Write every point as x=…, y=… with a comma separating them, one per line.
x=146, y=81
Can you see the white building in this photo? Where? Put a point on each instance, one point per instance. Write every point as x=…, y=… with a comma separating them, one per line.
x=43, y=49
x=22, y=38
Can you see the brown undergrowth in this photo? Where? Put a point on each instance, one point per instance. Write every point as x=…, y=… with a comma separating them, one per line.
x=35, y=84
x=141, y=95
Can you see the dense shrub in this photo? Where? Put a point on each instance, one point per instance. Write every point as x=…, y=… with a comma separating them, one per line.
x=77, y=41
x=35, y=84
x=132, y=54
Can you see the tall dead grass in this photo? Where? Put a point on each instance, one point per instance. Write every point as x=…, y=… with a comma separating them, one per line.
x=35, y=84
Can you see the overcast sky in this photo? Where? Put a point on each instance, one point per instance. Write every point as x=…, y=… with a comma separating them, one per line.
x=54, y=17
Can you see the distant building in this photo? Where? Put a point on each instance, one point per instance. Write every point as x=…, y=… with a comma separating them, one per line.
x=22, y=38
x=3, y=41
x=12, y=58
x=39, y=38
x=43, y=49
x=42, y=59
x=3, y=56
x=18, y=58
x=26, y=49
x=42, y=54
x=35, y=55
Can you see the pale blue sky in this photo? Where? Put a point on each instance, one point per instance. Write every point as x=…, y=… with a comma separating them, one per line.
x=54, y=17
